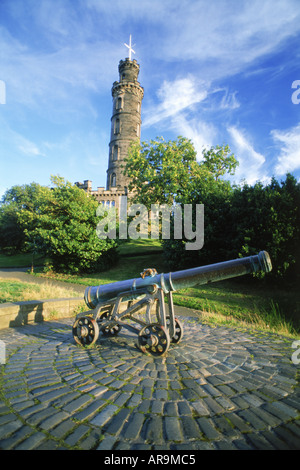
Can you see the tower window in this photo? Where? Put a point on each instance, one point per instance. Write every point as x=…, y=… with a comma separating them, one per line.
x=117, y=126
x=113, y=180
x=119, y=103
x=115, y=153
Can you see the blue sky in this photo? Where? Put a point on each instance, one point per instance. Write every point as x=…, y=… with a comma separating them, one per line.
x=215, y=71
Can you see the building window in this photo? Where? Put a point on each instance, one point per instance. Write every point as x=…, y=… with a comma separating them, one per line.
x=113, y=180
x=138, y=129
x=117, y=126
x=115, y=155
x=119, y=102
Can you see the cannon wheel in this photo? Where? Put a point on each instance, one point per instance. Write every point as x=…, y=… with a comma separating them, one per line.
x=153, y=339
x=85, y=331
x=108, y=331
x=178, y=332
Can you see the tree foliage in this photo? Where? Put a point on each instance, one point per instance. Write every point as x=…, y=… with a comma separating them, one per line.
x=239, y=221
x=163, y=172
x=61, y=223
x=26, y=197
x=219, y=160
x=268, y=217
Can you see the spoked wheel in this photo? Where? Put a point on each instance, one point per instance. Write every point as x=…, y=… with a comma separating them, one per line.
x=178, y=333
x=153, y=339
x=108, y=330
x=85, y=331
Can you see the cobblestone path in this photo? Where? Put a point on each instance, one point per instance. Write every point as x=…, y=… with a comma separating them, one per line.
x=217, y=389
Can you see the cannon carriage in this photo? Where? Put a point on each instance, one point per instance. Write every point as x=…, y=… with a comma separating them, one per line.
x=139, y=304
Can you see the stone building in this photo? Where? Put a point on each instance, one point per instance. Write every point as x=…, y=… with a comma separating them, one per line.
x=126, y=123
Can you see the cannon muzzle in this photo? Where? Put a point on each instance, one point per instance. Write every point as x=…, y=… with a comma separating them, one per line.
x=170, y=282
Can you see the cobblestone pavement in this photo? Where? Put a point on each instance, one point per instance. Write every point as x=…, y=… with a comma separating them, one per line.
x=217, y=389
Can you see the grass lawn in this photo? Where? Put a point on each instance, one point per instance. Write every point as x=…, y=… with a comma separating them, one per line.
x=245, y=302
x=128, y=267
x=241, y=302
x=140, y=246
x=21, y=260
x=13, y=290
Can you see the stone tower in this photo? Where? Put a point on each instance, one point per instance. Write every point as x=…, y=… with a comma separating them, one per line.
x=126, y=122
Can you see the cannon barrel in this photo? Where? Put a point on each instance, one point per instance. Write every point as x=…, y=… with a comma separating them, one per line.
x=95, y=295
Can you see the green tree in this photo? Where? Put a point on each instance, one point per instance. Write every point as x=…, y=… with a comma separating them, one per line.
x=24, y=197
x=64, y=229
x=241, y=221
x=216, y=196
x=162, y=172
x=219, y=161
x=11, y=234
x=268, y=217
x=167, y=173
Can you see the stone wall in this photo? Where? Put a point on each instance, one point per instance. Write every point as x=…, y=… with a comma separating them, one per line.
x=21, y=313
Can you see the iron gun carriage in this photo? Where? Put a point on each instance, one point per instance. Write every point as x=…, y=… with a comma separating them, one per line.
x=144, y=299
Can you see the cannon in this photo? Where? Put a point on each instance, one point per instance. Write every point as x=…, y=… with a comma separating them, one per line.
x=139, y=304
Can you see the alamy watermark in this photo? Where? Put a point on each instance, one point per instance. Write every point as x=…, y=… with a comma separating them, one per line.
x=156, y=222
x=2, y=352
x=2, y=92
x=296, y=95
x=296, y=355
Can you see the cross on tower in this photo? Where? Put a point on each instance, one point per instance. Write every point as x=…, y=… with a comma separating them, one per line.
x=129, y=47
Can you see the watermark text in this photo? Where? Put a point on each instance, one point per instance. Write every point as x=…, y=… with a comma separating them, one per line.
x=296, y=93
x=2, y=352
x=188, y=221
x=296, y=355
x=2, y=92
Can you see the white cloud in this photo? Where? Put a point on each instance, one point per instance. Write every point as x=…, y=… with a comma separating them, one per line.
x=180, y=94
x=175, y=97
x=229, y=101
x=176, y=111
x=29, y=148
x=202, y=134
x=228, y=34
x=17, y=143
x=289, y=157
x=59, y=79
x=251, y=162
x=75, y=48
